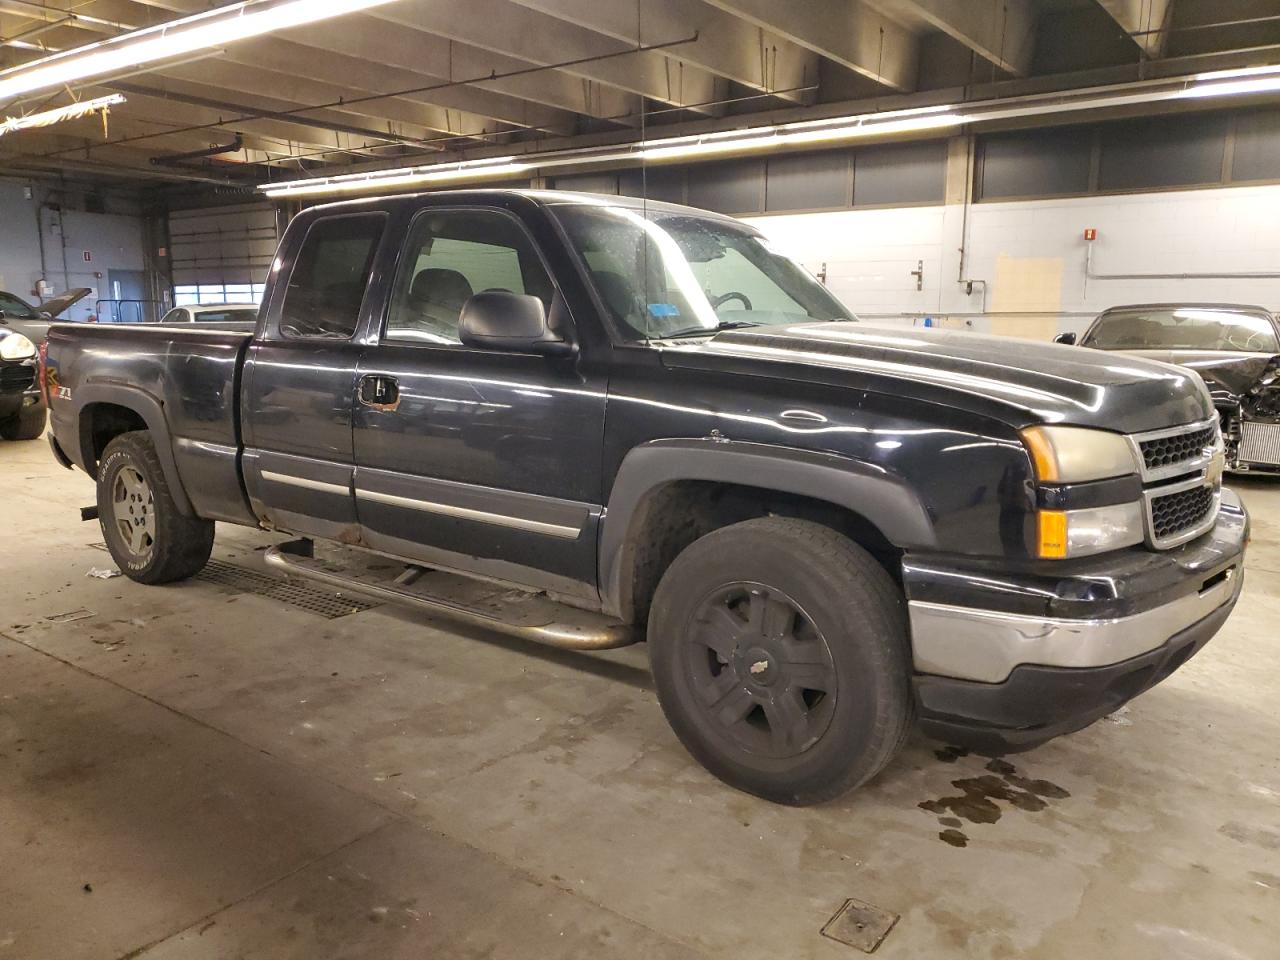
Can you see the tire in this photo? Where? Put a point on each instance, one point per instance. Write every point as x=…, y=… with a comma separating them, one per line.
x=750, y=626
x=26, y=424
x=162, y=544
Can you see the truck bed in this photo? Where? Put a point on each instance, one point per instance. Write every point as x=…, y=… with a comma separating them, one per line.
x=186, y=381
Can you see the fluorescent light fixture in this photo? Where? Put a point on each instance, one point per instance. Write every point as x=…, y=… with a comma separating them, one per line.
x=1245, y=80
x=1238, y=72
x=251, y=18
x=72, y=111
x=353, y=183
x=1231, y=88
x=712, y=144
x=792, y=134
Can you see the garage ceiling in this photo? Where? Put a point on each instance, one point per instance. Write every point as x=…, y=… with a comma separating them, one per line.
x=416, y=80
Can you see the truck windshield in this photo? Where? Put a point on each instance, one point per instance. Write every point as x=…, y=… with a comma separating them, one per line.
x=676, y=275
x=13, y=307
x=1183, y=328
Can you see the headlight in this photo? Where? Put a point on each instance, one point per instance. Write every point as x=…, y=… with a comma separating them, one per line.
x=1064, y=455
x=1082, y=533
x=1078, y=454
x=16, y=347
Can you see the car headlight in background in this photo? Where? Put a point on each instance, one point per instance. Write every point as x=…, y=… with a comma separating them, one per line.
x=15, y=346
x=1078, y=454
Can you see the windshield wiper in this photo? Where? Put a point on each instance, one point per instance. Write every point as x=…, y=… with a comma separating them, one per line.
x=707, y=331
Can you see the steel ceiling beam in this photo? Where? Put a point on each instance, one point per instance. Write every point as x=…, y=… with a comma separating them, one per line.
x=504, y=27
x=1002, y=32
x=430, y=56
x=727, y=46
x=848, y=32
x=188, y=109
x=1144, y=20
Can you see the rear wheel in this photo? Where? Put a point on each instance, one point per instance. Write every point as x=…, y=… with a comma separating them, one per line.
x=780, y=655
x=150, y=539
x=26, y=424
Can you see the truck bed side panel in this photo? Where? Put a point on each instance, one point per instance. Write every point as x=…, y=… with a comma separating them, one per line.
x=183, y=383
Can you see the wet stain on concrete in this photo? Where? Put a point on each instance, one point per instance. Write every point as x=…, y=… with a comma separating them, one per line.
x=977, y=800
x=1255, y=836
x=951, y=754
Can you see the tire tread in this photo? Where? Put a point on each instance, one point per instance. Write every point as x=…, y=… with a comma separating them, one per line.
x=865, y=592
x=183, y=543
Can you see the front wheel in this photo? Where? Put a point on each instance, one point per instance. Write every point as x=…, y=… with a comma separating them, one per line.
x=150, y=539
x=26, y=424
x=780, y=655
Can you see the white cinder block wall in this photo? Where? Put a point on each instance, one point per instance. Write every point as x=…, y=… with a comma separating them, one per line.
x=1031, y=255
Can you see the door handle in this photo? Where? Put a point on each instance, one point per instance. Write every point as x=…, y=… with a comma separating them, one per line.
x=377, y=390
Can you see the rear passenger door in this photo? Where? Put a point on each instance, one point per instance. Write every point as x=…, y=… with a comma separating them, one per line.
x=300, y=381
x=475, y=459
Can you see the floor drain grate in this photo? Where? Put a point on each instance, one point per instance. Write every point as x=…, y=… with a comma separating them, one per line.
x=861, y=925
x=326, y=604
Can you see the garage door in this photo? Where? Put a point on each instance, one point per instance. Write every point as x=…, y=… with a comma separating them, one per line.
x=221, y=255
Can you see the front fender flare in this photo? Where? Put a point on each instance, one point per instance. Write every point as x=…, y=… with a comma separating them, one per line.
x=867, y=489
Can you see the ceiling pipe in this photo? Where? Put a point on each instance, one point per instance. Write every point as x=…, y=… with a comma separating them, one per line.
x=216, y=150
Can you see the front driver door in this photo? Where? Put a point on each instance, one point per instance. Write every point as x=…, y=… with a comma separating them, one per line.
x=479, y=460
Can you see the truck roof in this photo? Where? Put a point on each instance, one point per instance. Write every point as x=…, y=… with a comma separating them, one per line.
x=544, y=197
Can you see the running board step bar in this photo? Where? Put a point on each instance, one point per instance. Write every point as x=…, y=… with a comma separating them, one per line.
x=516, y=613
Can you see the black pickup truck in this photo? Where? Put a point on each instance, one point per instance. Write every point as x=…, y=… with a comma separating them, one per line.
x=591, y=420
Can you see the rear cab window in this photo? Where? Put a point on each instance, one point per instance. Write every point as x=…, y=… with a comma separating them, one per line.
x=329, y=278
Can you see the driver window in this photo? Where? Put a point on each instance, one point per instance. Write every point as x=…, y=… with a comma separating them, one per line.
x=450, y=256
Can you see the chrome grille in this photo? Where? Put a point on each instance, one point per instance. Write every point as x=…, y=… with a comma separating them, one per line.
x=1260, y=443
x=1182, y=481
x=1176, y=449
x=1177, y=513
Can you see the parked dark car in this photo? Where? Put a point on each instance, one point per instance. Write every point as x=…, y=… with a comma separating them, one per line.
x=22, y=409
x=589, y=421
x=1234, y=348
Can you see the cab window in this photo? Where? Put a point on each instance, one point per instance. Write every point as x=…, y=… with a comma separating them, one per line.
x=452, y=255
x=328, y=281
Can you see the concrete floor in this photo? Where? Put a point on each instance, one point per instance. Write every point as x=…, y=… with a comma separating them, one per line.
x=192, y=772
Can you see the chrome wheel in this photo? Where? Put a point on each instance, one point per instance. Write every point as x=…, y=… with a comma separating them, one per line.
x=761, y=671
x=133, y=510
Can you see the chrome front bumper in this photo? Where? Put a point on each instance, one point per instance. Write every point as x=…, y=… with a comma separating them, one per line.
x=984, y=645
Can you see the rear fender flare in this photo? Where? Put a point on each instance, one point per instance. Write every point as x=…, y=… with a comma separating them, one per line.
x=867, y=489
x=151, y=410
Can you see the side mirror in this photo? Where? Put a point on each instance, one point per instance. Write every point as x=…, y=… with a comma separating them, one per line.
x=1067, y=338
x=500, y=320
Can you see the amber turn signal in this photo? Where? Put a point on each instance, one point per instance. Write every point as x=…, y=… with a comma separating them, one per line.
x=1052, y=527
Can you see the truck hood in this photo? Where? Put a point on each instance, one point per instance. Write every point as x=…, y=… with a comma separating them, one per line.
x=1019, y=381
